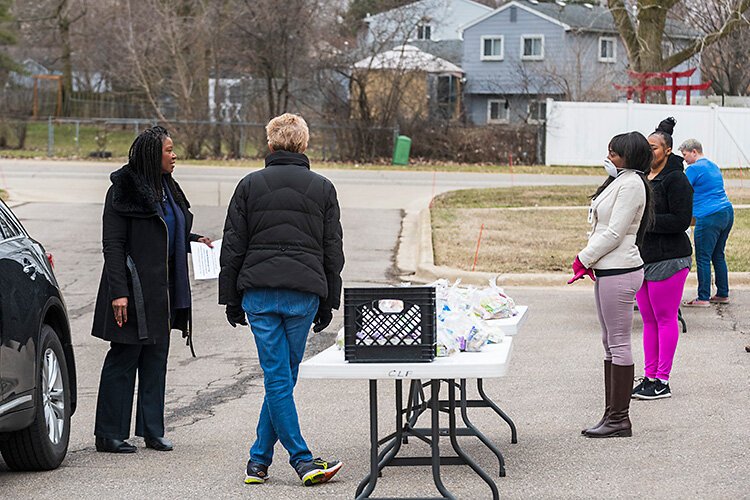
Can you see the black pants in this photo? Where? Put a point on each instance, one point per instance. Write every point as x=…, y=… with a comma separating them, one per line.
x=115, y=402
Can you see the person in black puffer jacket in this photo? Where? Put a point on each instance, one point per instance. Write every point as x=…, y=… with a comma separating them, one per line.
x=281, y=261
x=666, y=253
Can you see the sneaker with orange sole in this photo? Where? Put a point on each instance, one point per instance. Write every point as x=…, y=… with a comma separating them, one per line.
x=317, y=471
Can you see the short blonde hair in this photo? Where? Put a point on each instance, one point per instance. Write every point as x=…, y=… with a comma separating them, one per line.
x=288, y=132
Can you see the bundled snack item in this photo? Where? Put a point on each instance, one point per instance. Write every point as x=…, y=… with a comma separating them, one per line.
x=493, y=303
x=462, y=313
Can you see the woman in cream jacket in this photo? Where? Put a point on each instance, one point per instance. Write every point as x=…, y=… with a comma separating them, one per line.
x=619, y=215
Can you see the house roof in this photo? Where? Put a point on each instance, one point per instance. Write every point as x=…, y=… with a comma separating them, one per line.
x=408, y=57
x=450, y=50
x=414, y=4
x=580, y=17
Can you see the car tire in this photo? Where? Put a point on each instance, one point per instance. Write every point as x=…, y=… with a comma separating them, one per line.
x=43, y=445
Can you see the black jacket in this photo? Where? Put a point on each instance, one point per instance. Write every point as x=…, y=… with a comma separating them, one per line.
x=283, y=230
x=673, y=207
x=134, y=241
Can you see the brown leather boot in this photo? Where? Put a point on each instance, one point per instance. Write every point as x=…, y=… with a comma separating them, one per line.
x=607, y=385
x=617, y=423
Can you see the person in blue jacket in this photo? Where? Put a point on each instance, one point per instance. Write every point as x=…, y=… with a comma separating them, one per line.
x=714, y=217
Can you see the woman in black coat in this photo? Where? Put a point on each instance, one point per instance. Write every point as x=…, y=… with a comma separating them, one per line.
x=144, y=291
x=666, y=253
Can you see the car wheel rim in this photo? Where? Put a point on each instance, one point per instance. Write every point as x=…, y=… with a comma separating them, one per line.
x=53, y=396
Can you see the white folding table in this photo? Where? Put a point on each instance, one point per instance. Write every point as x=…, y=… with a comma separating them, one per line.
x=491, y=362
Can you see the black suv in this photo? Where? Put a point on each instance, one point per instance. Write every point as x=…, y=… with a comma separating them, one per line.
x=37, y=370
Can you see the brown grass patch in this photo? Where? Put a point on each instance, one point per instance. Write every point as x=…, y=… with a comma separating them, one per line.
x=537, y=240
x=513, y=241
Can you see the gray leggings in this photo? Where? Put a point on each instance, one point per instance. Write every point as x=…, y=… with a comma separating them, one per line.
x=615, y=299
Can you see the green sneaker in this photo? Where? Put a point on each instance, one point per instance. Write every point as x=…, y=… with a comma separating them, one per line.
x=317, y=471
x=256, y=473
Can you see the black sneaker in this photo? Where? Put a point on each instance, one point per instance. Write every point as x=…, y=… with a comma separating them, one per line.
x=655, y=390
x=256, y=473
x=643, y=383
x=317, y=471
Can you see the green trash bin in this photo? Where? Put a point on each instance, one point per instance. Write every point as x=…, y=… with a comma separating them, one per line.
x=401, y=151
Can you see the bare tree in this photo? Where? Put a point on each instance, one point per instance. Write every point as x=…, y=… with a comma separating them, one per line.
x=275, y=47
x=171, y=65
x=727, y=62
x=642, y=23
x=51, y=24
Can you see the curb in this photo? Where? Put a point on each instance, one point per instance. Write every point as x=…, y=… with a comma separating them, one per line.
x=415, y=259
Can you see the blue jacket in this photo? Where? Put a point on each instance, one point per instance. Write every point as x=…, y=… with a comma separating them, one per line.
x=709, y=196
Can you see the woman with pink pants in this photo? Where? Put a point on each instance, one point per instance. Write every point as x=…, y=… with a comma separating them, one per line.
x=666, y=252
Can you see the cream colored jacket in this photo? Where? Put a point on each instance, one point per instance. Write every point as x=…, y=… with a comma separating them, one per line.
x=615, y=216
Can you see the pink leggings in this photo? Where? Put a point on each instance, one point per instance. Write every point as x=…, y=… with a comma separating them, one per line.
x=658, y=302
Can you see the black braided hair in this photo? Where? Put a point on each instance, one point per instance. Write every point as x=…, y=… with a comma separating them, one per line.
x=144, y=158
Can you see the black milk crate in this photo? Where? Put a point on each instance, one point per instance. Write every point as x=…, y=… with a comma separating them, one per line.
x=389, y=324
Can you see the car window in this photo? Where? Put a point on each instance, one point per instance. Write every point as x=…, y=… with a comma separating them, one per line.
x=8, y=227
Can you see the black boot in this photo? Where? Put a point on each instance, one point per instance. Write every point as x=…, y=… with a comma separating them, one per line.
x=617, y=423
x=607, y=385
x=114, y=445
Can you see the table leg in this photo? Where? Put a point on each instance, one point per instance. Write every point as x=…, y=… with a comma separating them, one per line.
x=454, y=442
x=391, y=449
x=374, y=469
x=435, y=445
x=477, y=432
x=491, y=404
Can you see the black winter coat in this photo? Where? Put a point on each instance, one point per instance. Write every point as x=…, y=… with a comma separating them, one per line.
x=673, y=207
x=134, y=241
x=283, y=230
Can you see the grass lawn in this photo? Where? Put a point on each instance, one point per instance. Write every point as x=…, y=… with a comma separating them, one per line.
x=536, y=239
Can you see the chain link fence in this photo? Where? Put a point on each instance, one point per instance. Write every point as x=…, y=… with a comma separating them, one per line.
x=112, y=137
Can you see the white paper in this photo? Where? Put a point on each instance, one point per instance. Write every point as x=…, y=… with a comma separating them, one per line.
x=205, y=260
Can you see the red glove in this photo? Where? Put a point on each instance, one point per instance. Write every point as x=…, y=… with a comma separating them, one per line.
x=579, y=271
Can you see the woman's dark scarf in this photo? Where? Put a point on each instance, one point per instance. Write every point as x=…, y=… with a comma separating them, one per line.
x=181, y=281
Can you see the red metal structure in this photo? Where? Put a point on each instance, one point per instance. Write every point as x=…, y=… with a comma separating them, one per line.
x=642, y=87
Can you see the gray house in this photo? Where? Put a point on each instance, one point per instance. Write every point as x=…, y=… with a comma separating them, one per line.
x=526, y=51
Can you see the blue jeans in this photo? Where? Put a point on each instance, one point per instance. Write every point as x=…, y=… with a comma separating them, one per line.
x=711, y=233
x=280, y=321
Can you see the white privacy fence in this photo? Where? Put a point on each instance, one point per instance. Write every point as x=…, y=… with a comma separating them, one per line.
x=578, y=132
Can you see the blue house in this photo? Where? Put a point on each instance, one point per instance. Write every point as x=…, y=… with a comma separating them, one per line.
x=526, y=51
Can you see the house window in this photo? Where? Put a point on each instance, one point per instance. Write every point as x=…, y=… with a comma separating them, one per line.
x=492, y=48
x=532, y=47
x=497, y=111
x=607, y=49
x=424, y=32
x=667, y=48
x=537, y=111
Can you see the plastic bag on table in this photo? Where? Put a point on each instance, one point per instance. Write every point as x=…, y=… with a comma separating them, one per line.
x=493, y=303
x=476, y=339
x=340, y=339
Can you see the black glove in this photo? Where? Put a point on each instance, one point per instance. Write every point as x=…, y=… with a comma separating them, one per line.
x=235, y=315
x=322, y=318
